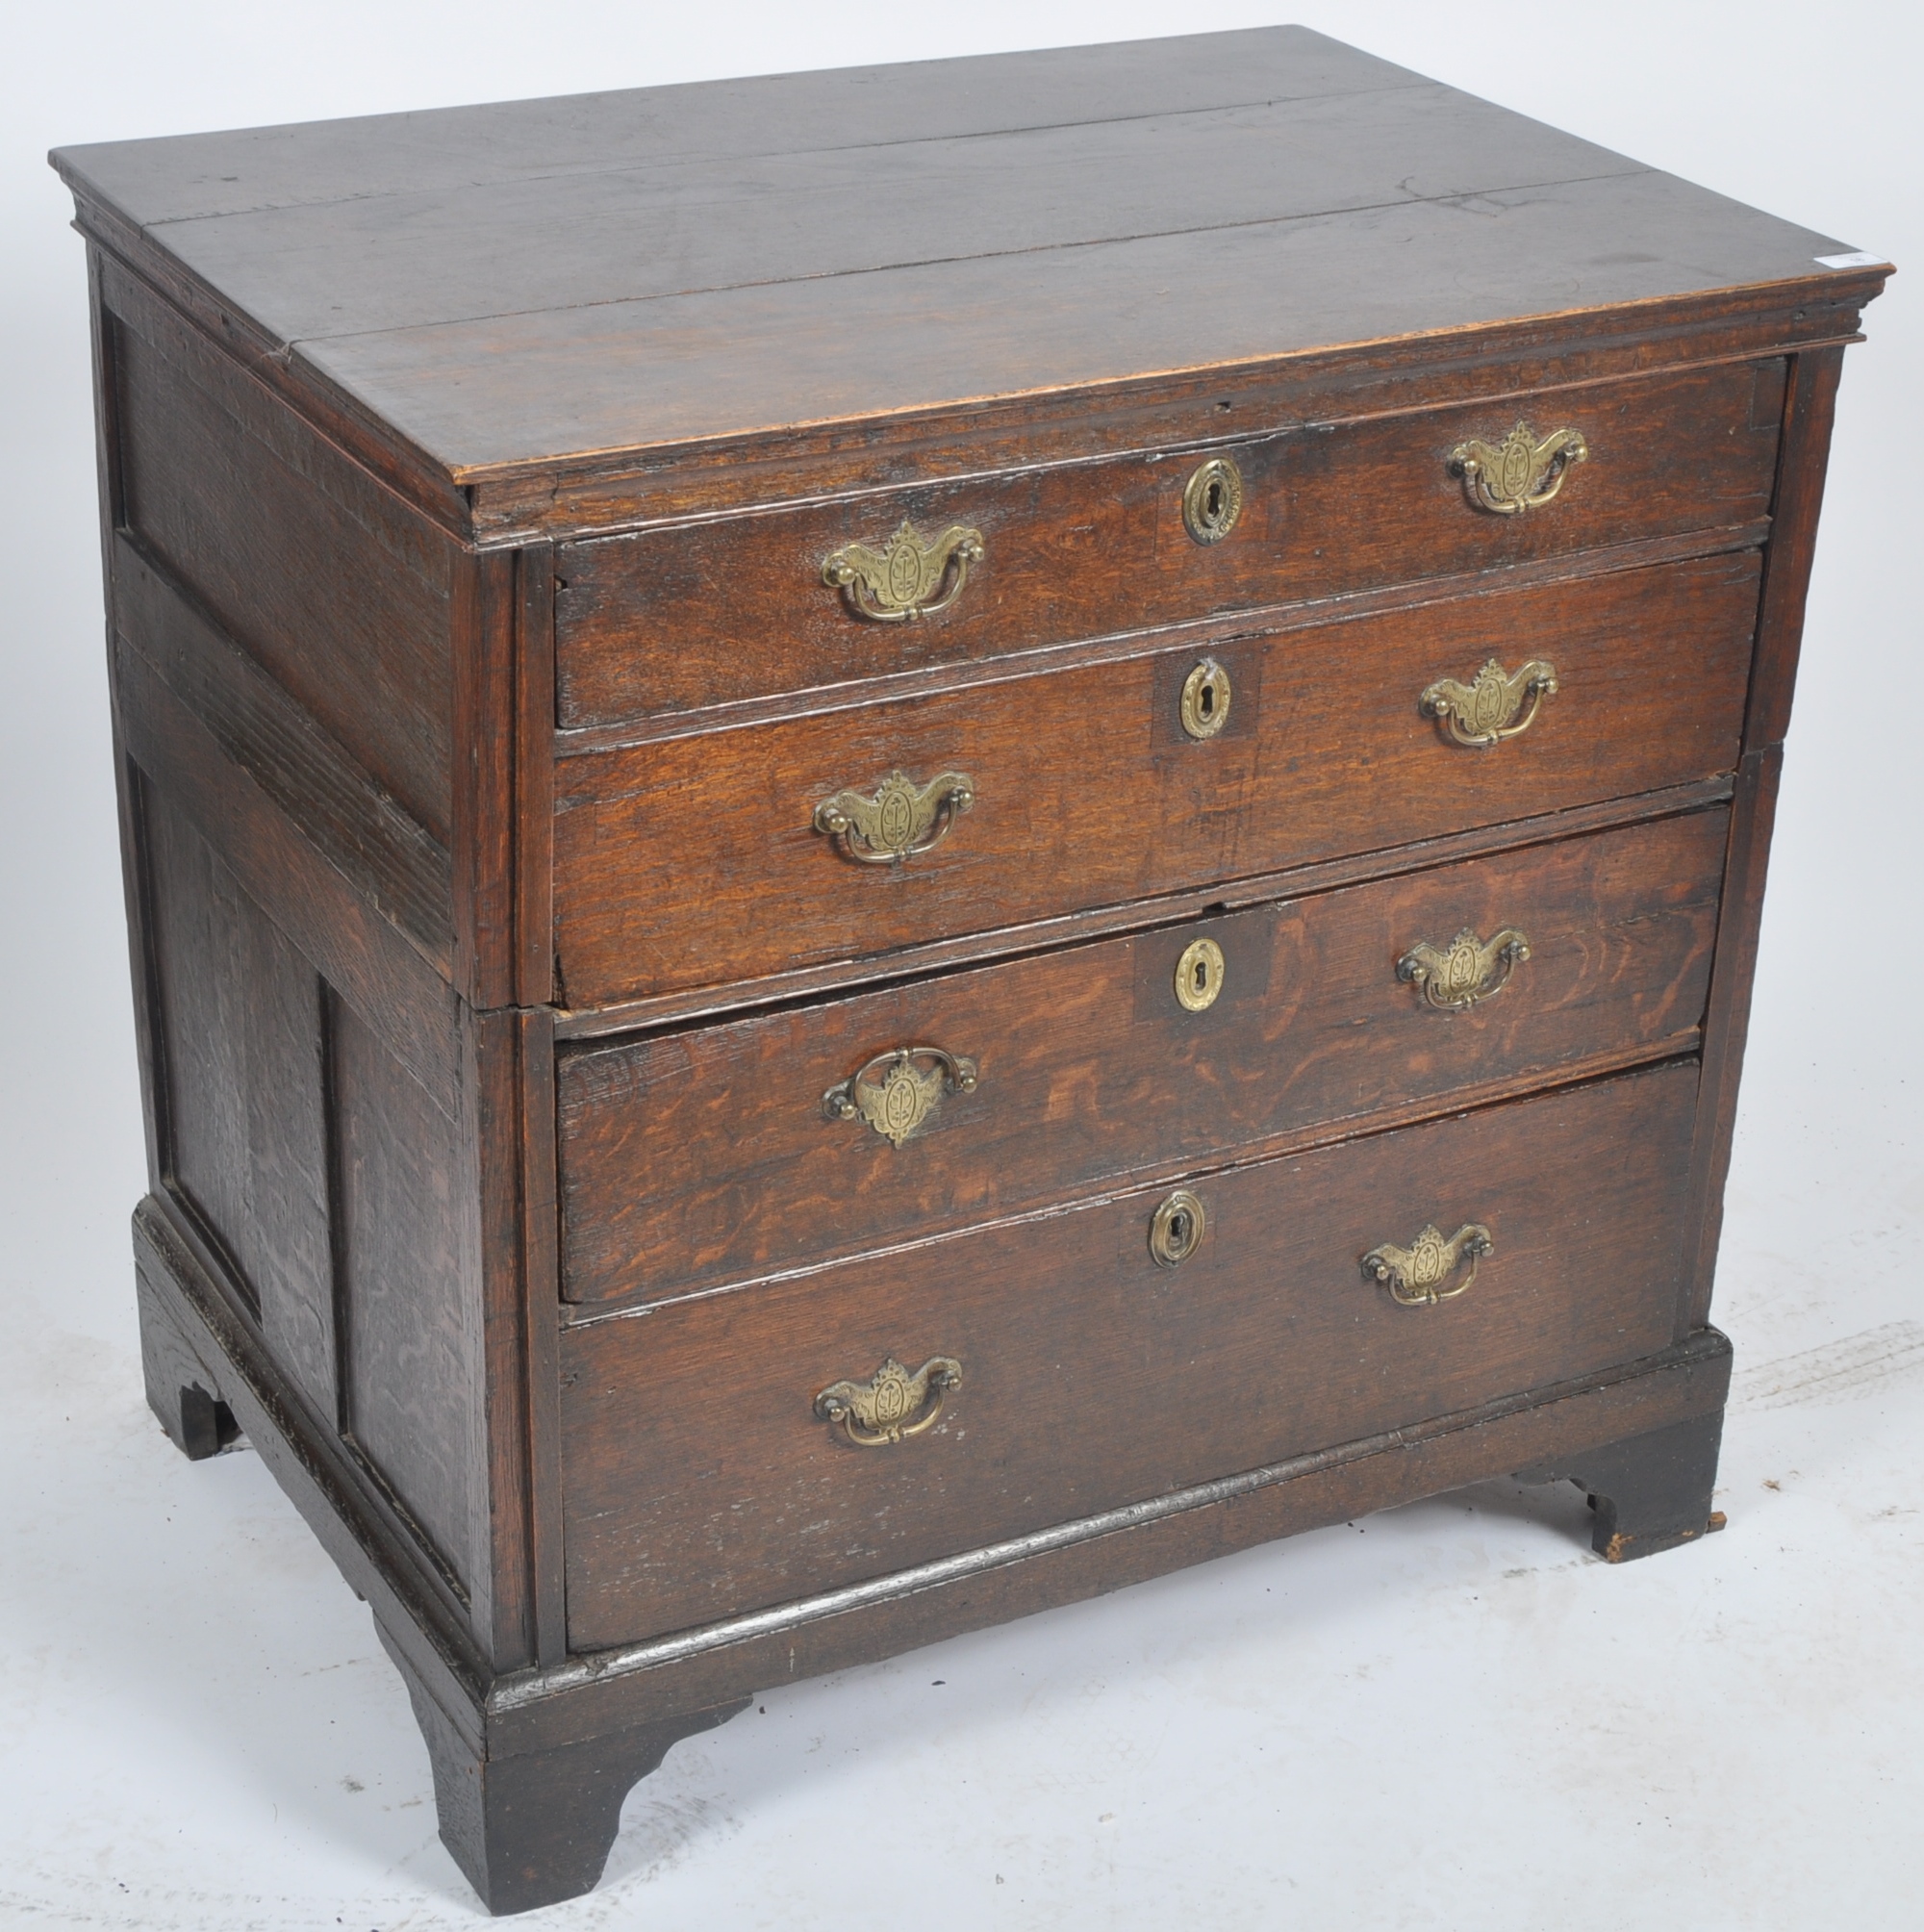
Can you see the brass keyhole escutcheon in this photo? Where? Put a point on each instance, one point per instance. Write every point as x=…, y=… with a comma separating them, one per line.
x=1176, y=1231
x=1205, y=699
x=1212, y=499
x=1199, y=975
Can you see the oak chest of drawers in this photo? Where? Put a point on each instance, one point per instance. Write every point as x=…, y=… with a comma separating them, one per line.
x=904, y=842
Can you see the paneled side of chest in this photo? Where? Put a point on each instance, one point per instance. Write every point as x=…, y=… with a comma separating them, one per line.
x=736, y=1083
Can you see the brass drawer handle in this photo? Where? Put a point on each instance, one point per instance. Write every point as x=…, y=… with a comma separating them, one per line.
x=1519, y=473
x=892, y=1405
x=1454, y=977
x=1484, y=712
x=1414, y=1274
x=899, y=1105
x=900, y=822
x=910, y=577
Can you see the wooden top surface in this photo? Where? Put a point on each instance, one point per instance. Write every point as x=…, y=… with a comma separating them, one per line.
x=543, y=280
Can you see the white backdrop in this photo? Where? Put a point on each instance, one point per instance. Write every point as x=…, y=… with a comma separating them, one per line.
x=1448, y=1716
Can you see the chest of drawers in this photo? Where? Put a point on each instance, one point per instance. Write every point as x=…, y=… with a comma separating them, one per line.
x=901, y=843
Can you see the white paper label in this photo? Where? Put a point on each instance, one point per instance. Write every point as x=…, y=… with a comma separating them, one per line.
x=1857, y=258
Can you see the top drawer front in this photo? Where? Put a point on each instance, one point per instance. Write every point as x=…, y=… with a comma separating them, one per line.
x=674, y=620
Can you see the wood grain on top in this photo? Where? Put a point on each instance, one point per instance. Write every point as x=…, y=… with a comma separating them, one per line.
x=542, y=280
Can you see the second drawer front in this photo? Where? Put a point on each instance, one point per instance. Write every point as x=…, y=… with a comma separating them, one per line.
x=692, y=1159
x=701, y=1478
x=704, y=860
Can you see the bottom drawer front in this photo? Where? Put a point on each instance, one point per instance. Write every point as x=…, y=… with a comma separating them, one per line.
x=701, y=1481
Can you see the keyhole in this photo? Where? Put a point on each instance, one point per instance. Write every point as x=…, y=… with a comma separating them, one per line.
x=1205, y=703
x=1198, y=975
x=1176, y=1231
x=1212, y=499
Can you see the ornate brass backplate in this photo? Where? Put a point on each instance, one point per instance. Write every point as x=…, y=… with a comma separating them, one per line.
x=892, y=1405
x=1455, y=977
x=1484, y=712
x=1175, y=1230
x=899, y=1104
x=1414, y=1276
x=1199, y=975
x=1204, y=706
x=1518, y=473
x=1212, y=499
x=910, y=577
x=901, y=820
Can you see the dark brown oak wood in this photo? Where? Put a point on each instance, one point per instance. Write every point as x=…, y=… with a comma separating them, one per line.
x=654, y=622
x=534, y=777
x=1503, y=365
x=1811, y=405
x=694, y=1158
x=337, y=656
x=389, y=859
x=393, y=988
x=864, y=208
x=486, y=707
x=539, y=1318
x=1727, y=1023
x=237, y=1013
x=1088, y=791
x=466, y=482
x=1165, y=909
x=536, y=1828
x=764, y=358
x=503, y=1131
x=1203, y=634
x=1090, y=1557
x=1650, y=1492
x=268, y=546
x=196, y=320
x=182, y=1391
x=641, y=325
x=181, y=1289
x=841, y=108
x=127, y=781
x=410, y=1348
x=1808, y=412
x=585, y=1702
x=1094, y=1378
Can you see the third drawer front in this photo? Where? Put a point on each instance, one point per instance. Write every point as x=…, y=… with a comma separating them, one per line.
x=713, y=1452
x=700, y=861
x=783, y=1140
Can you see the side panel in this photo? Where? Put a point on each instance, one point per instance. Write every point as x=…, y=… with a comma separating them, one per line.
x=326, y=1187
x=411, y=1385
x=239, y=1093
x=342, y=594
x=1805, y=446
